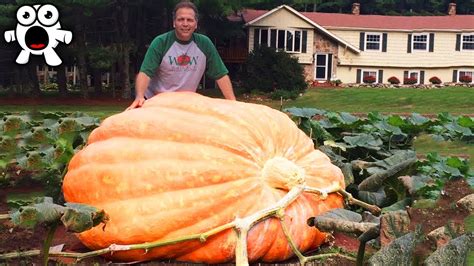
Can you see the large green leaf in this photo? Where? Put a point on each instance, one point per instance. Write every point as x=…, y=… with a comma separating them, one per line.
x=75, y=217
x=304, y=112
x=364, y=140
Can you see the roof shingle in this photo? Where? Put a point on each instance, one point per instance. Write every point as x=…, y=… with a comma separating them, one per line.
x=336, y=20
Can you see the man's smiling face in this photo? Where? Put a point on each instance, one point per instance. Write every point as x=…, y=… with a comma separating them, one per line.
x=185, y=23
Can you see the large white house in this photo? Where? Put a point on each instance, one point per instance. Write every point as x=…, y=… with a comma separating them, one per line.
x=351, y=47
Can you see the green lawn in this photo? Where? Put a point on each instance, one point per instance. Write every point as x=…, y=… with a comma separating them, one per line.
x=455, y=100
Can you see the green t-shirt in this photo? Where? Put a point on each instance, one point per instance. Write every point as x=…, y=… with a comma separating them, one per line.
x=174, y=65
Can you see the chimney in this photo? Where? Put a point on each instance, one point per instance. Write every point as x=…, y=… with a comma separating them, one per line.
x=356, y=9
x=452, y=9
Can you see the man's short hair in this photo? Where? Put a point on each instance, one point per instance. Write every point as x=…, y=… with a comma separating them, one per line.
x=186, y=4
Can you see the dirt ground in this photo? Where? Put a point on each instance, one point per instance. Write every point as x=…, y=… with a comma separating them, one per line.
x=445, y=212
x=17, y=239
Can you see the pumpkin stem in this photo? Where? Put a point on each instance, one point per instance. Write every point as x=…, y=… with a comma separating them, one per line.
x=282, y=173
x=374, y=209
x=242, y=226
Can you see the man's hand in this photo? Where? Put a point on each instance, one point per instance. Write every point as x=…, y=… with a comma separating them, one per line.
x=137, y=103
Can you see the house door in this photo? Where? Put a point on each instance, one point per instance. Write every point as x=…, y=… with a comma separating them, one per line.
x=322, y=66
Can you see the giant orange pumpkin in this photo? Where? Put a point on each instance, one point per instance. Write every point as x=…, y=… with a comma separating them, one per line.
x=184, y=164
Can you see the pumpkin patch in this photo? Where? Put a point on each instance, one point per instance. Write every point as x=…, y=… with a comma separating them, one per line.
x=185, y=164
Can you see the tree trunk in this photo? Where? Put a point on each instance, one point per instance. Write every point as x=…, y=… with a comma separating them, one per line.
x=124, y=48
x=32, y=81
x=18, y=83
x=113, y=81
x=79, y=36
x=62, y=82
x=97, y=74
x=124, y=74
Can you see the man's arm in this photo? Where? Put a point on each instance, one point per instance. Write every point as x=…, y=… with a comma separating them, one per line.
x=141, y=84
x=226, y=87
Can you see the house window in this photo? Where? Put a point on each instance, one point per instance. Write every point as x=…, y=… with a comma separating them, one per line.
x=284, y=40
x=414, y=77
x=373, y=41
x=420, y=42
x=468, y=41
x=370, y=76
x=321, y=66
x=464, y=75
x=264, y=36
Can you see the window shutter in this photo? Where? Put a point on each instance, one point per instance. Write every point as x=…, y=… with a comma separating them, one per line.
x=305, y=40
x=422, y=77
x=329, y=66
x=458, y=42
x=432, y=42
x=455, y=76
x=359, y=76
x=384, y=42
x=409, y=44
x=362, y=41
x=256, y=38
x=380, y=76
x=405, y=74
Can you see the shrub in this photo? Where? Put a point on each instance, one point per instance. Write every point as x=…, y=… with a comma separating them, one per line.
x=465, y=79
x=369, y=79
x=49, y=87
x=336, y=82
x=410, y=80
x=393, y=80
x=268, y=70
x=435, y=80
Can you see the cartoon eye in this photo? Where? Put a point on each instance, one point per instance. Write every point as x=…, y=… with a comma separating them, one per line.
x=48, y=15
x=26, y=15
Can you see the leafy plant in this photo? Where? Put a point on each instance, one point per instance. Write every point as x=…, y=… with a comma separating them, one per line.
x=393, y=80
x=369, y=79
x=374, y=151
x=465, y=79
x=410, y=80
x=435, y=80
x=38, y=146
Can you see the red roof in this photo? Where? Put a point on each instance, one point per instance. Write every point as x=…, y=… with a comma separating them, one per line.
x=456, y=22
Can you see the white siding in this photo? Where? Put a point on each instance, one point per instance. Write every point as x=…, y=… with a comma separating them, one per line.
x=444, y=54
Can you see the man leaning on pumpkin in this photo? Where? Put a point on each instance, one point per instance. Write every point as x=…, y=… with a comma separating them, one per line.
x=177, y=60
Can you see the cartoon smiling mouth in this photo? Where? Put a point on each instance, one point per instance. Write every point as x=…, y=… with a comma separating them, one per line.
x=36, y=38
x=37, y=46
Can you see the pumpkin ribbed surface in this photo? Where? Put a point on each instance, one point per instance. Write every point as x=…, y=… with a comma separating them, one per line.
x=184, y=164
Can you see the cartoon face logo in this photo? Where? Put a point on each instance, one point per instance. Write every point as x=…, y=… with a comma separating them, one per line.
x=38, y=32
